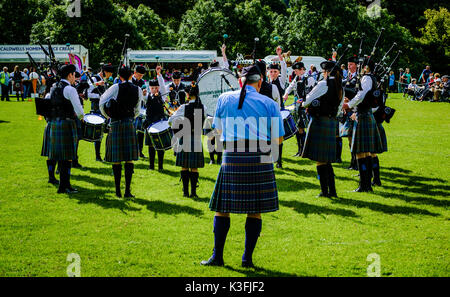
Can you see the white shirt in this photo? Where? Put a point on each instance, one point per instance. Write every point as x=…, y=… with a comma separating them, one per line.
x=71, y=94
x=92, y=86
x=112, y=93
x=162, y=87
x=293, y=85
x=179, y=113
x=318, y=91
x=366, y=85
x=34, y=75
x=276, y=95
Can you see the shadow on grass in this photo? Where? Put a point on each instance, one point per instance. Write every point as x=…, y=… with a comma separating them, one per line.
x=95, y=181
x=291, y=185
x=307, y=209
x=387, y=209
x=159, y=206
x=2, y=121
x=260, y=272
x=418, y=200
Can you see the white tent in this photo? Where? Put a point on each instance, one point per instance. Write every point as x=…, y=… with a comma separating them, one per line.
x=170, y=56
x=307, y=60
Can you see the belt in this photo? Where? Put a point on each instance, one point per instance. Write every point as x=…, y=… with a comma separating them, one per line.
x=62, y=119
x=248, y=146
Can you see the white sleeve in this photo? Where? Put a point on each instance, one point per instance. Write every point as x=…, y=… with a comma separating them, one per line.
x=109, y=94
x=179, y=113
x=91, y=88
x=137, y=108
x=162, y=86
x=319, y=90
x=276, y=95
x=225, y=63
x=71, y=94
x=290, y=88
x=366, y=85
x=283, y=74
x=311, y=81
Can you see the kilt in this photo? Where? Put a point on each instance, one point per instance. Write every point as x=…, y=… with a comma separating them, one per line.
x=366, y=138
x=17, y=86
x=244, y=185
x=320, y=142
x=346, y=129
x=121, y=142
x=46, y=141
x=190, y=159
x=383, y=138
x=63, y=140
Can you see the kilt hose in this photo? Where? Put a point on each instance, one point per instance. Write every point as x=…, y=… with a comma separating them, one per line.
x=383, y=138
x=320, y=142
x=190, y=159
x=63, y=140
x=244, y=185
x=366, y=138
x=46, y=141
x=121, y=142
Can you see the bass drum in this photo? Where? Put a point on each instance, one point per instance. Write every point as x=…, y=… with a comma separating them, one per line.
x=214, y=82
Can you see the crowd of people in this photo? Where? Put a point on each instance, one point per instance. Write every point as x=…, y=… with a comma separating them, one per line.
x=24, y=83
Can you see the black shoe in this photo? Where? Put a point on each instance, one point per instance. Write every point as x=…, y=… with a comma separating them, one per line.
x=211, y=162
x=99, y=159
x=57, y=170
x=248, y=264
x=77, y=165
x=141, y=155
x=279, y=166
x=128, y=195
x=333, y=195
x=68, y=191
x=376, y=183
x=360, y=190
x=321, y=194
x=53, y=181
x=298, y=154
x=212, y=262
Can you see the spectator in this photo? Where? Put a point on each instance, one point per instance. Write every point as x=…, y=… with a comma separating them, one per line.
x=407, y=76
x=314, y=72
x=26, y=83
x=391, y=82
x=400, y=80
x=18, y=82
x=425, y=74
x=436, y=87
x=4, y=82
x=344, y=71
x=34, y=82
x=445, y=84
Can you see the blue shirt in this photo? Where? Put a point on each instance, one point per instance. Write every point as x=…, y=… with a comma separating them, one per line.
x=258, y=118
x=391, y=80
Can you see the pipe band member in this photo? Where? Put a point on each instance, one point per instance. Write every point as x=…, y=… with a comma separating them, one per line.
x=121, y=104
x=366, y=138
x=137, y=80
x=65, y=108
x=190, y=157
x=246, y=180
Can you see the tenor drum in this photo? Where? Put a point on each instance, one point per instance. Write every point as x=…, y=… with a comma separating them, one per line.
x=92, y=127
x=214, y=82
x=289, y=124
x=161, y=135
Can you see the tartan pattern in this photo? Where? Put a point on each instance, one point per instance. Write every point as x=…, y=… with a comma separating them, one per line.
x=383, y=138
x=63, y=140
x=190, y=159
x=121, y=142
x=244, y=185
x=346, y=129
x=320, y=142
x=46, y=141
x=366, y=138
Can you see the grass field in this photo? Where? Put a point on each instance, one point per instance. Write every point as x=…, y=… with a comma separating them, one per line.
x=161, y=233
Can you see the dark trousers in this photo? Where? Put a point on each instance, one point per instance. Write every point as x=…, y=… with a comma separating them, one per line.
x=5, y=92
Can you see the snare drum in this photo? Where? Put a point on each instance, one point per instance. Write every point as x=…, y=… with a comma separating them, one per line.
x=92, y=127
x=139, y=121
x=289, y=124
x=161, y=135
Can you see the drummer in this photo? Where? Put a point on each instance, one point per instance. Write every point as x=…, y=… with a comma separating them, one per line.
x=302, y=84
x=124, y=102
x=278, y=74
x=155, y=113
x=139, y=72
x=177, y=93
x=190, y=157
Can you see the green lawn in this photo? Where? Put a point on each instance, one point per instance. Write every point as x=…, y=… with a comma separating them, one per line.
x=161, y=233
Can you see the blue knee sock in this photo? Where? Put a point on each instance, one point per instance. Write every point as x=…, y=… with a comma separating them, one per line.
x=252, y=231
x=221, y=227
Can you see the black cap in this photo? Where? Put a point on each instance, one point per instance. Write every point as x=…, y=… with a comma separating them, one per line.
x=140, y=69
x=275, y=66
x=298, y=65
x=353, y=59
x=125, y=72
x=66, y=69
x=262, y=67
x=153, y=83
x=327, y=65
x=250, y=70
x=108, y=68
x=370, y=62
x=176, y=75
x=214, y=64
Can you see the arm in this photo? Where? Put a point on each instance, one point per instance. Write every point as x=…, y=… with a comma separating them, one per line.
x=71, y=94
x=289, y=88
x=283, y=72
x=319, y=90
x=91, y=88
x=179, y=113
x=224, y=57
x=137, y=108
x=109, y=94
x=366, y=84
x=276, y=95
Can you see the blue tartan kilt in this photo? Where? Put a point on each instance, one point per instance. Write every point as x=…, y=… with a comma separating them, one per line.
x=383, y=138
x=346, y=129
x=191, y=158
x=63, y=140
x=121, y=142
x=320, y=142
x=366, y=137
x=244, y=185
x=46, y=141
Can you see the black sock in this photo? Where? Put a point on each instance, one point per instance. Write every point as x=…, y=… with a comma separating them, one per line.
x=369, y=173
x=117, y=170
x=185, y=179
x=376, y=170
x=97, y=145
x=362, y=166
x=221, y=227
x=280, y=153
x=51, y=166
x=151, y=156
x=160, y=160
x=193, y=176
x=339, y=148
x=299, y=142
x=331, y=181
x=211, y=156
x=322, y=175
x=140, y=141
x=128, y=175
x=219, y=157
x=253, y=228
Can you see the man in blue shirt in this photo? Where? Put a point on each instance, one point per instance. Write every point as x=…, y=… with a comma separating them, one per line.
x=251, y=127
x=4, y=82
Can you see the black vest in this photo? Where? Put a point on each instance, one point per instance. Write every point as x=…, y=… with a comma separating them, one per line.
x=350, y=87
x=301, y=87
x=98, y=89
x=328, y=104
x=127, y=99
x=60, y=106
x=181, y=93
x=278, y=84
x=369, y=100
x=190, y=111
x=266, y=89
x=155, y=109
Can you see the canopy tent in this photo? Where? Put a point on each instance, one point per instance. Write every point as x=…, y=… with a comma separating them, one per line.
x=170, y=56
x=307, y=60
x=17, y=53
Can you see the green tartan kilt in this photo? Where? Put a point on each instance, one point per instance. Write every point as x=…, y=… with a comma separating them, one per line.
x=121, y=142
x=320, y=142
x=46, y=141
x=63, y=140
x=346, y=129
x=244, y=185
x=366, y=137
x=383, y=138
x=191, y=158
